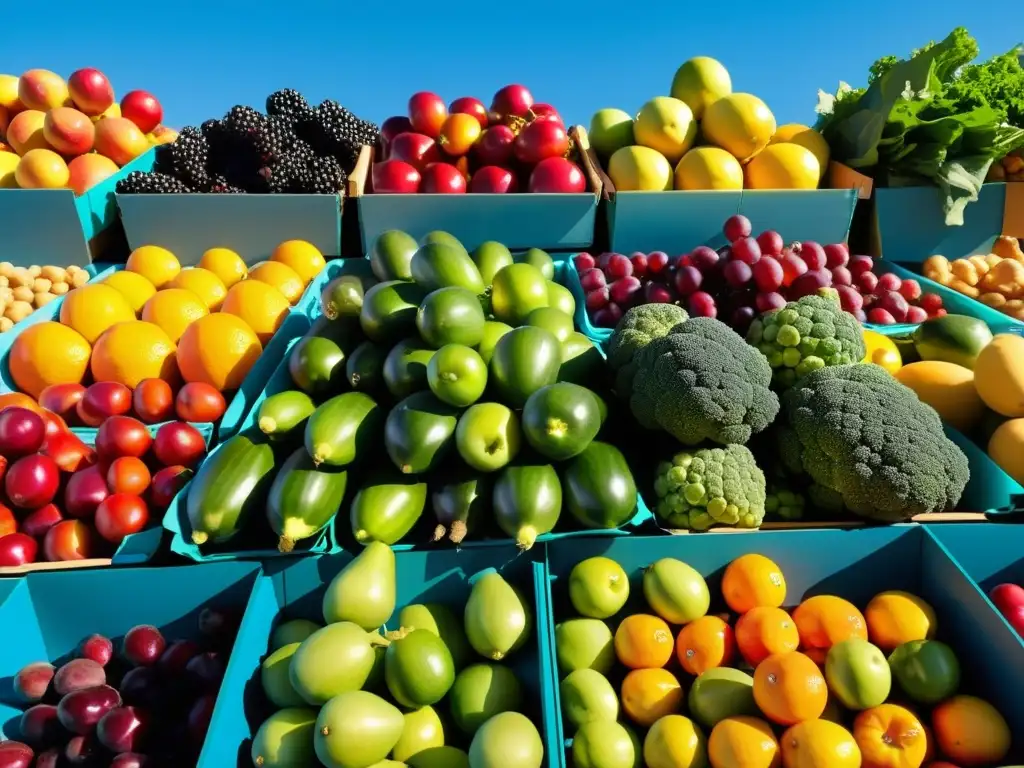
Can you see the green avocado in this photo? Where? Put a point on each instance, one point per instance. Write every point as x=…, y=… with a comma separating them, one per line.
x=391, y=254
x=599, y=488
x=490, y=257
x=364, y=368
x=451, y=315
x=561, y=420
x=317, y=365
x=419, y=432
x=539, y=259
x=405, y=368
x=387, y=508
x=525, y=359
x=389, y=311
x=439, y=266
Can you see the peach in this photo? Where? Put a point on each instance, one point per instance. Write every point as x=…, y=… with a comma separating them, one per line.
x=9, y=94
x=8, y=164
x=114, y=110
x=25, y=132
x=69, y=131
x=42, y=169
x=42, y=89
x=89, y=170
x=5, y=120
x=162, y=135
x=120, y=139
x=91, y=91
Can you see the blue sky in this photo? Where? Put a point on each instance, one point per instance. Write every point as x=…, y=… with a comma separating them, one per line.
x=370, y=56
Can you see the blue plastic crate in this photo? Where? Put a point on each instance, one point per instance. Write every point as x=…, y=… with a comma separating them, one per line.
x=53, y=226
x=296, y=591
x=854, y=564
x=53, y=612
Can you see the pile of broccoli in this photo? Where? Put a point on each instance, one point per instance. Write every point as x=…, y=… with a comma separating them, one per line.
x=710, y=486
x=638, y=328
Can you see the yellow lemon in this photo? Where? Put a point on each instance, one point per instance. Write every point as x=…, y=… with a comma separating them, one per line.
x=783, y=166
x=739, y=123
x=675, y=741
x=708, y=168
x=174, y=310
x=135, y=288
x=8, y=164
x=808, y=138
x=225, y=264
x=92, y=309
x=204, y=284
x=156, y=264
x=700, y=82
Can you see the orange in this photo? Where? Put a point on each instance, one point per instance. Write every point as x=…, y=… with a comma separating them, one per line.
x=48, y=353
x=261, y=306
x=204, y=284
x=789, y=688
x=136, y=289
x=819, y=744
x=650, y=694
x=895, y=618
x=282, y=277
x=225, y=264
x=970, y=731
x=825, y=620
x=133, y=351
x=890, y=736
x=18, y=400
x=642, y=640
x=156, y=264
x=174, y=310
x=92, y=309
x=675, y=742
x=762, y=631
x=301, y=256
x=743, y=741
x=219, y=349
x=705, y=643
x=751, y=581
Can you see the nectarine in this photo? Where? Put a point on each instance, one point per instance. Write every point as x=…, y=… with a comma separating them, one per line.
x=9, y=94
x=25, y=132
x=42, y=169
x=162, y=135
x=8, y=164
x=42, y=89
x=143, y=109
x=114, y=110
x=89, y=170
x=5, y=120
x=120, y=139
x=69, y=131
x=90, y=91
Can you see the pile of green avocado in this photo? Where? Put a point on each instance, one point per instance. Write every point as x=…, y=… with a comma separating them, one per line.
x=338, y=689
x=436, y=379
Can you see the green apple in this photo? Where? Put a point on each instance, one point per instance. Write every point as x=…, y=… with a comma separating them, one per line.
x=610, y=130
x=603, y=745
x=858, y=674
x=584, y=644
x=927, y=670
x=598, y=587
x=588, y=696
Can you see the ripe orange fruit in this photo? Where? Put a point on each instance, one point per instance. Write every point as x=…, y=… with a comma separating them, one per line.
x=305, y=258
x=705, y=643
x=131, y=352
x=174, y=310
x=128, y=474
x=48, y=353
x=282, y=277
x=743, y=741
x=650, y=694
x=204, y=284
x=225, y=264
x=789, y=688
x=261, y=306
x=970, y=731
x=20, y=400
x=219, y=349
x=643, y=641
x=92, y=309
x=135, y=288
x=156, y=264
x=825, y=620
x=890, y=736
x=762, y=631
x=819, y=744
x=895, y=618
x=751, y=581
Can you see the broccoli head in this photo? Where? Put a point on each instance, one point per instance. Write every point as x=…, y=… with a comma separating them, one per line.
x=710, y=486
x=869, y=445
x=638, y=328
x=784, y=503
x=703, y=382
x=805, y=335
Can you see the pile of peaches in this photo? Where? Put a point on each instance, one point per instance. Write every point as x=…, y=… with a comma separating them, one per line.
x=72, y=134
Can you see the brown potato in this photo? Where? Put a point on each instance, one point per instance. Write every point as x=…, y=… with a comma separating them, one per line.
x=59, y=289
x=41, y=299
x=19, y=277
x=6, y=324
x=22, y=293
x=18, y=311
x=54, y=274
x=35, y=270
x=41, y=285
x=79, y=279
x=6, y=268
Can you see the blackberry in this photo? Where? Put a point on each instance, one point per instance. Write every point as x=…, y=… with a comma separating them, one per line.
x=187, y=158
x=288, y=103
x=287, y=174
x=243, y=123
x=327, y=177
x=275, y=138
x=140, y=183
x=220, y=185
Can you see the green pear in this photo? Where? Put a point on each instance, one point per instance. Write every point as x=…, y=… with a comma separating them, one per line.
x=334, y=660
x=356, y=729
x=276, y=678
x=285, y=739
x=497, y=617
x=363, y=592
x=294, y=631
x=508, y=740
x=439, y=620
x=440, y=757
x=422, y=730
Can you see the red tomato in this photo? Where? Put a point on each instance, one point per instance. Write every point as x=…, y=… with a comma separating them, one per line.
x=198, y=401
x=121, y=515
x=7, y=522
x=39, y=521
x=17, y=549
x=69, y=452
x=62, y=398
x=122, y=436
x=153, y=400
x=54, y=424
x=68, y=540
x=166, y=484
x=102, y=400
x=178, y=443
x=84, y=492
x=128, y=474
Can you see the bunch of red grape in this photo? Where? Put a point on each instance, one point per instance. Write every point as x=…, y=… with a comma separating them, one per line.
x=749, y=276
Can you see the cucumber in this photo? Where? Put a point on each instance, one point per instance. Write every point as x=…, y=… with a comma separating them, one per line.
x=286, y=411
x=527, y=501
x=387, y=508
x=343, y=428
x=405, y=368
x=561, y=420
x=316, y=365
x=389, y=311
x=391, y=254
x=303, y=499
x=600, y=491
x=419, y=432
x=364, y=368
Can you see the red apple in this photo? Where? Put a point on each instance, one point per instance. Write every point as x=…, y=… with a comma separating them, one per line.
x=394, y=177
x=416, y=149
x=143, y=109
x=557, y=174
x=442, y=178
x=492, y=179
x=91, y=91
x=1009, y=599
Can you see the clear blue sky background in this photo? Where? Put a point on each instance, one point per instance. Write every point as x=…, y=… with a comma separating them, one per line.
x=200, y=60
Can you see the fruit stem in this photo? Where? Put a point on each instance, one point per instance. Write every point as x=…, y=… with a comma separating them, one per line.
x=458, y=532
x=557, y=427
x=361, y=535
x=284, y=544
x=406, y=469
x=449, y=376
x=378, y=640
x=439, y=532
x=494, y=446
x=268, y=425
x=527, y=537
x=200, y=537
x=331, y=311
x=321, y=453
x=398, y=634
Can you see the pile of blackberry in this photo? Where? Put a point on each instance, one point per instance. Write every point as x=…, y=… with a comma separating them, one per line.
x=293, y=148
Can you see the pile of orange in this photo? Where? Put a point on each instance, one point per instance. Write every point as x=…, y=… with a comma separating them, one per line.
x=207, y=323
x=794, y=719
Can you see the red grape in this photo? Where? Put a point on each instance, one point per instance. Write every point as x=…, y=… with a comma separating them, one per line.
x=893, y=303
x=841, y=276
x=737, y=273
x=702, y=305
x=916, y=314
x=584, y=261
x=849, y=298
x=767, y=275
x=930, y=302
x=879, y=316
x=911, y=290
x=812, y=254
x=624, y=290
x=746, y=250
x=860, y=264
x=771, y=243
x=939, y=313
x=810, y=282
x=836, y=255
x=859, y=314
x=770, y=300
x=656, y=293
x=741, y=318
x=889, y=282
x=704, y=258
x=686, y=260
x=736, y=227
x=688, y=280
x=866, y=281
x=618, y=267
x=592, y=279
x=639, y=262
x=602, y=260
x=608, y=317
x=792, y=267
x=597, y=299
x=656, y=263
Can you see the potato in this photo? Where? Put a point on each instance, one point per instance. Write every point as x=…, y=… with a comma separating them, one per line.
x=6, y=324
x=80, y=278
x=6, y=268
x=35, y=270
x=7, y=294
x=22, y=293
x=54, y=274
x=41, y=285
x=41, y=299
x=59, y=289
x=18, y=311
x=965, y=271
x=19, y=277
x=3, y=282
